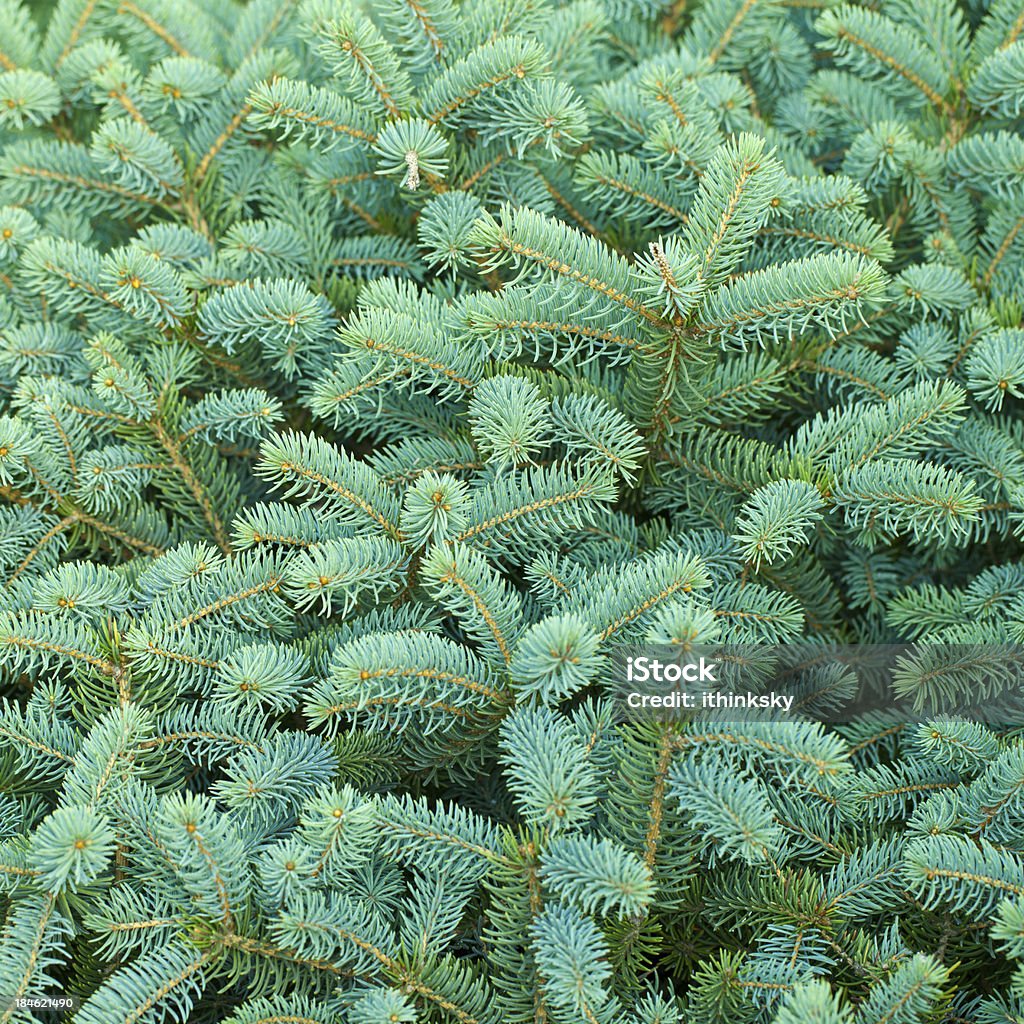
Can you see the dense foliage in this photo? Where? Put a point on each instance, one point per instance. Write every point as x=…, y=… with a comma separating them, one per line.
x=372, y=375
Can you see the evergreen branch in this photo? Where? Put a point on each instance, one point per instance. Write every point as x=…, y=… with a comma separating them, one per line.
x=154, y=26
x=527, y=239
x=205, y=503
x=313, y=113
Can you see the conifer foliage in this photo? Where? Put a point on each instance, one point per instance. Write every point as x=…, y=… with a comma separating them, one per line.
x=371, y=373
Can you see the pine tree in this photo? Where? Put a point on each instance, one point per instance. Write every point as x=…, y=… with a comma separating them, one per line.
x=375, y=375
